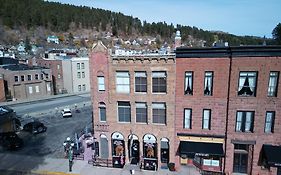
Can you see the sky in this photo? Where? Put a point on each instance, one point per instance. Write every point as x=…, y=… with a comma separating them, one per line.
x=238, y=17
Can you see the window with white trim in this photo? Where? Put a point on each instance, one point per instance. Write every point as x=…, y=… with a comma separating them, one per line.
x=141, y=112
x=140, y=82
x=124, y=111
x=101, y=85
x=188, y=83
x=245, y=121
x=273, y=84
x=159, y=82
x=247, y=84
x=102, y=112
x=269, y=122
x=122, y=82
x=208, y=84
x=159, y=113
x=206, y=119
x=187, y=119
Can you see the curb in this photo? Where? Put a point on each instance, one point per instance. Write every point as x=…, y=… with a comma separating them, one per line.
x=52, y=173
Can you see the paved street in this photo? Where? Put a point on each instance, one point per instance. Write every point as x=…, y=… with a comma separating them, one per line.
x=50, y=143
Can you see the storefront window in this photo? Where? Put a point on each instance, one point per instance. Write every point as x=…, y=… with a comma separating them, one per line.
x=118, y=150
x=150, y=152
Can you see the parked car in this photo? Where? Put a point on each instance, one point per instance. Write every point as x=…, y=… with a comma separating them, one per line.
x=35, y=127
x=66, y=112
x=11, y=141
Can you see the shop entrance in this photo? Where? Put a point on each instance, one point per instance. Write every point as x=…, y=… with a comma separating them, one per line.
x=164, y=150
x=134, y=149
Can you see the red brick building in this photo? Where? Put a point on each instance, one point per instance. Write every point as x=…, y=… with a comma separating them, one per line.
x=133, y=107
x=57, y=72
x=228, y=109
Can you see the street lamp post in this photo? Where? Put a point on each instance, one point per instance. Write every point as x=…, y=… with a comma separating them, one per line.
x=68, y=149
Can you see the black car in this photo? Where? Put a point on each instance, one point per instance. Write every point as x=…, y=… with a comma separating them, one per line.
x=11, y=141
x=35, y=127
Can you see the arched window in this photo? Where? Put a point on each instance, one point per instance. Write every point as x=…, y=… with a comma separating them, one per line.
x=150, y=152
x=118, y=150
x=102, y=112
x=104, y=153
x=164, y=150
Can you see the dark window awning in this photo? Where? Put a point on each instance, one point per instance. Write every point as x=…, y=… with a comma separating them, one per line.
x=200, y=148
x=271, y=155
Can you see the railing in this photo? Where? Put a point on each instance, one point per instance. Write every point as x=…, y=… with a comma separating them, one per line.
x=79, y=157
x=100, y=162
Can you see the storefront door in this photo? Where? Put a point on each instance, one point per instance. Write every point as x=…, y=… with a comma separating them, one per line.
x=240, y=163
x=134, y=153
x=279, y=171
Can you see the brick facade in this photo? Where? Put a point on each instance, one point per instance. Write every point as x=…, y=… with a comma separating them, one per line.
x=227, y=63
x=104, y=64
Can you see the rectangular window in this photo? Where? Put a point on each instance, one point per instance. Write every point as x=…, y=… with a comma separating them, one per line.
x=42, y=76
x=159, y=113
x=247, y=84
x=273, y=84
x=83, y=74
x=78, y=74
x=36, y=77
x=29, y=78
x=269, y=122
x=245, y=121
x=188, y=84
x=140, y=82
x=102, y=111
x=141, y=113
x=101, y=85
x=187, y=118
x=58, y=66
x=36, y=89
x=79, y=88
x=124, y=112
x=30, y=89
x=159, y=82
x=84, y=87
x=16, y=78
x=123, y=82
x=82, y=66
x=47, y=76
x=22, y=77
x=58, y=76
x=208, y=83
x=206, y=119
x=78, y=66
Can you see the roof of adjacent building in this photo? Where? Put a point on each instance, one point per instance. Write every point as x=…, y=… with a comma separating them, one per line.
x=18, y=67
x=231, y=51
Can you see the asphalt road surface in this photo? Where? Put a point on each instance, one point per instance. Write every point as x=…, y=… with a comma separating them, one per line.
x=49, y=105
x=50, y=143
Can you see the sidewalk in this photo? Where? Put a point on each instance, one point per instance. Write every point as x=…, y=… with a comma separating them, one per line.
x=23, y=164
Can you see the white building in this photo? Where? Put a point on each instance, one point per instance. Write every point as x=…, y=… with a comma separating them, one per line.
x=76, y=74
